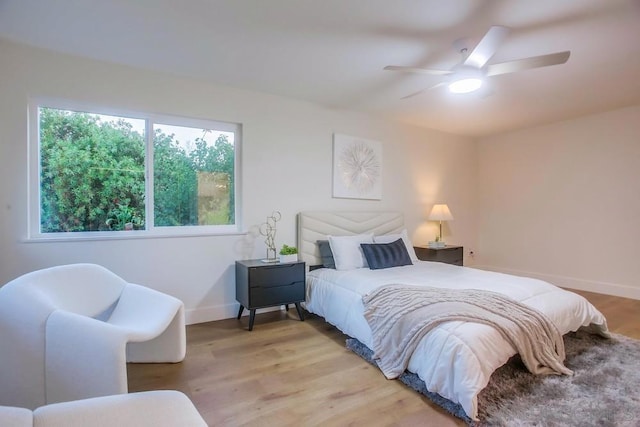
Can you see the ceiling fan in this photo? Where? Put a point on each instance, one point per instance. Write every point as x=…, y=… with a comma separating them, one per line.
x=468, y=75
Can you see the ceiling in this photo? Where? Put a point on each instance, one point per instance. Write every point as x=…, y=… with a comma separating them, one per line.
x=332, y=52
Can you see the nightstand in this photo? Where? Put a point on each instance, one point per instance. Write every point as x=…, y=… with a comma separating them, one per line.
x=260, y=284
x=448, y=254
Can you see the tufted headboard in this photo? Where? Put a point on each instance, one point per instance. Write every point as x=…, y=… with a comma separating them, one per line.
x=317, y=225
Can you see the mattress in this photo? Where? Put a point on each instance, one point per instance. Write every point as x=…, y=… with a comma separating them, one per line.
x=455, y=359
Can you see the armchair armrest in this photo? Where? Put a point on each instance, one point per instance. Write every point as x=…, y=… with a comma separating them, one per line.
x=159, y=408
x=79, y=348
x=11, y=416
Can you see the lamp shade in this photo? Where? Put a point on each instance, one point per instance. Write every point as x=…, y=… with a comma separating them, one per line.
x=440, y=213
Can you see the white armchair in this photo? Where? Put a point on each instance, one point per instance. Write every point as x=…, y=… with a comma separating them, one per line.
x=67, y=333
x=157, y=408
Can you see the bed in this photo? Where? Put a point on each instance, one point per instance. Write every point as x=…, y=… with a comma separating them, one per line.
x=455, y=359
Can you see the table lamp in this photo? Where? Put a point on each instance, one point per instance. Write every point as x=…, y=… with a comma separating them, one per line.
x=440, y=213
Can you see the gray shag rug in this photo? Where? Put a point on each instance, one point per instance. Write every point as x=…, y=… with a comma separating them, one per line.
x=603, y=391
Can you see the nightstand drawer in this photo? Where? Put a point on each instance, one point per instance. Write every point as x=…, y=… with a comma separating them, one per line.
x=277, y=275
x=449, y=257
x=449, y=254
x=275, y=295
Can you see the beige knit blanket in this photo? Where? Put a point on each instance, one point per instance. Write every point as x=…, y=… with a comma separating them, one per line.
x=400, y=315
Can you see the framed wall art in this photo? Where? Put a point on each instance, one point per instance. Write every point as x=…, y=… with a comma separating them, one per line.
x=357, y=168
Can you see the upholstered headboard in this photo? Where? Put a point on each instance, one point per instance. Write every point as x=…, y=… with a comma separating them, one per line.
x=314, y=226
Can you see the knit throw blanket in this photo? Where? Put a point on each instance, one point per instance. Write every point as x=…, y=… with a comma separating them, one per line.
x=401, y=315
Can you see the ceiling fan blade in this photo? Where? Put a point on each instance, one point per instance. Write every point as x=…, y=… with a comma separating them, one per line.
x=487, y=47
x=416, y=70
x=528, y=63
x=420, y=92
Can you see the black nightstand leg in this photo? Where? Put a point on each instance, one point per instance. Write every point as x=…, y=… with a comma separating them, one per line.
x=252, y=317
x=240, y=311
x=286, y=307
x=300, y=315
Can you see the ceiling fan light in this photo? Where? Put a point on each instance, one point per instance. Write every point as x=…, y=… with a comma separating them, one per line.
x=465, y=85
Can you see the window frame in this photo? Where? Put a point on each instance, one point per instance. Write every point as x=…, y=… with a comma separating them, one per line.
x=151, y=230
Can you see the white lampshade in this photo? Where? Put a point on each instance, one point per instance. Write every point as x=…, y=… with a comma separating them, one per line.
x=440, y=213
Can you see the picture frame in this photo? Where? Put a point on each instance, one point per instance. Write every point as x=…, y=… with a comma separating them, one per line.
x=357, y=168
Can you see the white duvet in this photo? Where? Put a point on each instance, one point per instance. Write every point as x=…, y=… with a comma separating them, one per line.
x=455, y=359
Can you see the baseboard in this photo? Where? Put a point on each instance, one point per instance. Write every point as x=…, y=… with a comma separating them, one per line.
x=218, y=312
x=572, y=282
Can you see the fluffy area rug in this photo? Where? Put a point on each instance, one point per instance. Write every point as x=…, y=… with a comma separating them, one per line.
x=604, y=390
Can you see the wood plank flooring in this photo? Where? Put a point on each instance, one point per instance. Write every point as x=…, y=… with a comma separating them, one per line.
x=287, y=372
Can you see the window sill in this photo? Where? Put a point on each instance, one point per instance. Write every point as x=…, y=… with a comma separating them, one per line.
x=125, y=235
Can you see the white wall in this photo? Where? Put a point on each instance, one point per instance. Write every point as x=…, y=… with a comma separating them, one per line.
x=562, y=202
x=282, y=138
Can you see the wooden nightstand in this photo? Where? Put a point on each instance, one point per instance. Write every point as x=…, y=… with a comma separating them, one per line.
x=260, y=284
x=449, y=254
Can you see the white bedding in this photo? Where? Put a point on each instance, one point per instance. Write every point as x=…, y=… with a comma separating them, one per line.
x=455, y=359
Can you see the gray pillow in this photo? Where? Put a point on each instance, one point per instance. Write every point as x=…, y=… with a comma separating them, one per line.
x=326, y=254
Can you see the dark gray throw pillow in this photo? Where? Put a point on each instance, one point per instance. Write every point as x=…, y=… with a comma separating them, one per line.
x=386, y=255
x=326, y=254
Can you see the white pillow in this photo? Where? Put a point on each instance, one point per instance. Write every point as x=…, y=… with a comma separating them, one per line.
x=347, y=252
x=388, y=238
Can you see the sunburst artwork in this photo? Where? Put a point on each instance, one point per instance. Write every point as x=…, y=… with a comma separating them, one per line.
x=357, y=168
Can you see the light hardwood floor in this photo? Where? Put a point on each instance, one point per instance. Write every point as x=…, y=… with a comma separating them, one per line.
x=287, y=372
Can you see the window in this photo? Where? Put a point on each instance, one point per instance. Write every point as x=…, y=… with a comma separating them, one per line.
x=96, y=172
